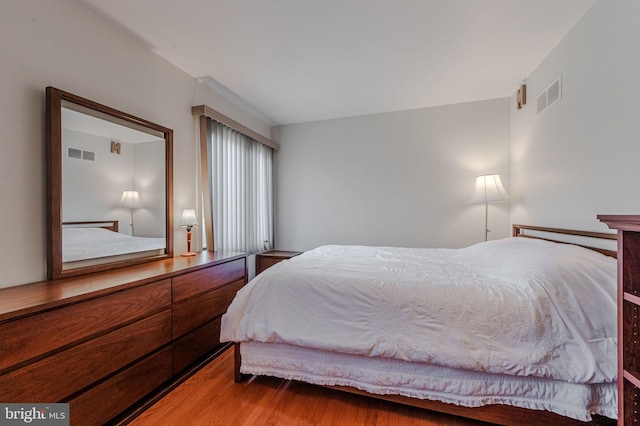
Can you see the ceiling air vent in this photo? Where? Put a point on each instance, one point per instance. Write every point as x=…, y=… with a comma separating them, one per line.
x=549, y=96
x=81, y=154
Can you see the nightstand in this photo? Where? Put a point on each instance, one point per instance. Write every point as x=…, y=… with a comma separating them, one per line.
x=269, y=258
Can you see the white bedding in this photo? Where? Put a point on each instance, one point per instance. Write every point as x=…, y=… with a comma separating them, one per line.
x=514, y=307
x=386, y=376
x=91, y=243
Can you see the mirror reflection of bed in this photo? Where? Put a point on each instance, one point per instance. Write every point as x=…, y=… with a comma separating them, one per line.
x=87, y=243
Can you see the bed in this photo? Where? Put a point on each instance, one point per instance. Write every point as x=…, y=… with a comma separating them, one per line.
x=510, y=331
x=87, y=242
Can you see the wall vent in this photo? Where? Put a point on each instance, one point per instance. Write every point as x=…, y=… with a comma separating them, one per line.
x=74, y=153
x=549, y=96
x=80, y=154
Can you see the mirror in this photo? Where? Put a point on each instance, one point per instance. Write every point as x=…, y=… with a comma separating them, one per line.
x=109, y=187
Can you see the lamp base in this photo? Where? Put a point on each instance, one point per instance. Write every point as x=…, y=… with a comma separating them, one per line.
x=189, y=253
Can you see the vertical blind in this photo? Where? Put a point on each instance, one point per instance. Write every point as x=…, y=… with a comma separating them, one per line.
x=241, y=185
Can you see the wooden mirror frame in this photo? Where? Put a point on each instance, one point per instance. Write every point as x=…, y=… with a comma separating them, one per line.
x=55, y=98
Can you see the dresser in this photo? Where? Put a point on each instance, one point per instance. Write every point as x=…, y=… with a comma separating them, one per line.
x=628, y=227
x=105, y=342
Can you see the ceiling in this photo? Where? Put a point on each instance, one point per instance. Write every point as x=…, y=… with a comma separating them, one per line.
x=293, y=61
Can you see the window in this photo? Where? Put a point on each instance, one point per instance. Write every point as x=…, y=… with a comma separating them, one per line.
x=240, y=182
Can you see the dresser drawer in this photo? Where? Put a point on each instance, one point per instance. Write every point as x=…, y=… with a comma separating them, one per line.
x=195, y=344
x=36, y=335
x=194, y=283
x=196, y=311
x=266, y=263
x=58, y=376
x=108, y=399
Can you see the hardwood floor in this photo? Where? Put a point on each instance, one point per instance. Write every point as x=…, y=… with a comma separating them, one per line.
x=211, y=397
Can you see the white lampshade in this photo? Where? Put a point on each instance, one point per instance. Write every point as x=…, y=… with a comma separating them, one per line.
x=488, y=189
x=189, y=218
x=130, y=199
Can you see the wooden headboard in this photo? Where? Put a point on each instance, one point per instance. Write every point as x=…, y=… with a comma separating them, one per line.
x=111, y=225
x=519, y=231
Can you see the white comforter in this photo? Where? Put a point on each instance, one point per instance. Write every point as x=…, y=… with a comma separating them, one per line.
x=514, y=306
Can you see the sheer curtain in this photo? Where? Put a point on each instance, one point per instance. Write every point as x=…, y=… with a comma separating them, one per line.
x=240, y=173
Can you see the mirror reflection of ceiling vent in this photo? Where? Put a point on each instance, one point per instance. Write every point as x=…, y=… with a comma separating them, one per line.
x=81, y=154
x=549, y=96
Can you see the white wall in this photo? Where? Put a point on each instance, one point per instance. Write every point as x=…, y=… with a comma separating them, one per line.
x=580, y=157
x=64, y=44
x=91, y=190
x=399, y=179
x=149, y=180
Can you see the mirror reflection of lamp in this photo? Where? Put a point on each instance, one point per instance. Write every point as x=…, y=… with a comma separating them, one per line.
x=189, y=220
x=131, y=200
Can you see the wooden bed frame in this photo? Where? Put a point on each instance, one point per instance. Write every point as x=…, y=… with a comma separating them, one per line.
x=496, y=413
x=519, y=231
x=111, y=225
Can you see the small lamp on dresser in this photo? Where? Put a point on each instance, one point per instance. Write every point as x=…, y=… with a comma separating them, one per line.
x=189, y=220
